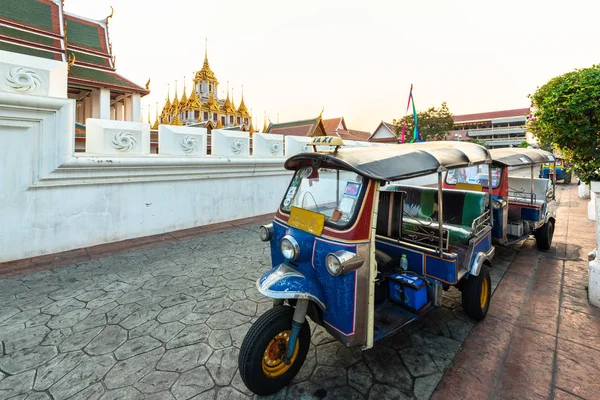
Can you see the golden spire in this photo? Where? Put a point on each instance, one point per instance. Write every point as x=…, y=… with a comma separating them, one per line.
x=219, y=124
x=155, y=126
x=205, y=74
x=166, y=111
x=176, y=120
x=184, y=99
x=211, y=103
x=242, y=108
x=149, y=122
x=193, y=102
x=175, y=103
x=265, y=127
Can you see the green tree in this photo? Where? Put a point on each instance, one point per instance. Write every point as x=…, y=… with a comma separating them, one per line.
x=524, y=144
x=567, y=115
x=434, y=123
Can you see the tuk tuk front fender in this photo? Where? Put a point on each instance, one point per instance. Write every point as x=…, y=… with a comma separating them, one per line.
x=284, y=282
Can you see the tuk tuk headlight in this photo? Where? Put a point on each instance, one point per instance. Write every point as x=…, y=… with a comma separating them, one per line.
x=342, y=262
x=289, y=248
x=266, y=232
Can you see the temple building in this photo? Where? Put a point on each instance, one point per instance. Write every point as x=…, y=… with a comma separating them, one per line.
x=317, y=127
x=203, y=107
x=41, y=28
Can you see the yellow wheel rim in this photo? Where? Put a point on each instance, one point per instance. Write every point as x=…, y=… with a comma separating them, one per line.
x=272, y=364
x=483, y=298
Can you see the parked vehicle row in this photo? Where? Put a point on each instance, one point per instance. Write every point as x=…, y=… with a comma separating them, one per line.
x=363, y=257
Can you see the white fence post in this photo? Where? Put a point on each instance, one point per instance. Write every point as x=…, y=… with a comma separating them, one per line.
x=267, y=144
x=104, y=136
x=181, y=141
x=230, y=143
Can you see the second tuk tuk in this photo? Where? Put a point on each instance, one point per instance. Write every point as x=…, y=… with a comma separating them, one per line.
x=523, y=205
x=363, y=260
x=561, y=171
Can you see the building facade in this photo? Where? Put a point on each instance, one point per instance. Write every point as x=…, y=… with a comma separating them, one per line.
x=497, y=129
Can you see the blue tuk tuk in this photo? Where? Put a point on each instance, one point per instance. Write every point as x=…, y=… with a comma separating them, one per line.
x=560, y=170
x=363, y=259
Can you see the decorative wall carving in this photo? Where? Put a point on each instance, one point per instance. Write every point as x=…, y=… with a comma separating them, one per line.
x=237, y=145
x=124, y=141
x=23, y=80
x=189, y=144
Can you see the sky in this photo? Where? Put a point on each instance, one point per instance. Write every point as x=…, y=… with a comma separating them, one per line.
x=355, y=59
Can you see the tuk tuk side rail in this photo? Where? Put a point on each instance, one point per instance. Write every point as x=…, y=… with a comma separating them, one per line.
x=480, y=223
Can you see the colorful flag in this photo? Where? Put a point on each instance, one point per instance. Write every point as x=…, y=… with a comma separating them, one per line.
x=416, y=119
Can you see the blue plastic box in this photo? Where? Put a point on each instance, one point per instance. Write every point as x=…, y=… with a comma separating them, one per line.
x=408, y=290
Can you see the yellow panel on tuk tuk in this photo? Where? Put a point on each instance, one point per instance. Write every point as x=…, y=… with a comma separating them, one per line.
x=308, y=221
x=474, y=187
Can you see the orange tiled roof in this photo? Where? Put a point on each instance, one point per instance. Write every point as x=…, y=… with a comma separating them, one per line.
x=518, y=112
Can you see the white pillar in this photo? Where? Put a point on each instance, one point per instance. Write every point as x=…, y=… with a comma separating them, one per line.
x=120, y=110
x=128, y=109
x=113, y=112
x=104, y=103
x=594, y=265
x=95, y=97
x=87, y=107
x=81, y=112
x=136, y=108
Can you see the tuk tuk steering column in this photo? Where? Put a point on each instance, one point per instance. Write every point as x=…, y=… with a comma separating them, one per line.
x=297, y=322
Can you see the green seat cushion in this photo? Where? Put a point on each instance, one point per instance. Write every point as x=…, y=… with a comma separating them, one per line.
x=460, y=234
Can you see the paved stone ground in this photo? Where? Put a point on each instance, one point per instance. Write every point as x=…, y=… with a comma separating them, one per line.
x=167, y=322
x=541, y=338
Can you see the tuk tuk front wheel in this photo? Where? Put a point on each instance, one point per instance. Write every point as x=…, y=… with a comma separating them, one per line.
x=261, y=356
x=544, y=235
x=476, y=294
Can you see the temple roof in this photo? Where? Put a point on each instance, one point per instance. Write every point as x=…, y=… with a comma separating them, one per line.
x=306, y=127
x=205, y=74
x=337, y=127
x=41, y=28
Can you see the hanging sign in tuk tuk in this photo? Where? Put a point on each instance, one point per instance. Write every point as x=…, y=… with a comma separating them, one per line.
x=363, y=259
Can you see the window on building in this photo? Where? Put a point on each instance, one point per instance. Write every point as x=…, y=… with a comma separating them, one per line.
x=215, y=117
x=246, y=121
x=223, y=119
x=231, y=119
x=205, y=115
x=196, y=113
x=239, y=120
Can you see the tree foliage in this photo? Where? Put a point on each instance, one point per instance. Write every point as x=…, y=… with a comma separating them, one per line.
x=479, y=142
x=567, y=115
x=524, y=144
x=434, y=123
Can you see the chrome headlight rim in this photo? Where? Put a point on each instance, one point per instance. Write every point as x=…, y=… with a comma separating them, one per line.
x=266, y=232
x=294, y=246
x=346, y=261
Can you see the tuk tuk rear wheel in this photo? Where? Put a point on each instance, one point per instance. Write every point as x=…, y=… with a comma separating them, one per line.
x=260, y=363
x=544, y=235
x=476, y=294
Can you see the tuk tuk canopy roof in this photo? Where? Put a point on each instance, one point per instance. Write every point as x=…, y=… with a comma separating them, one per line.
x=512, y=157
x=397, y=161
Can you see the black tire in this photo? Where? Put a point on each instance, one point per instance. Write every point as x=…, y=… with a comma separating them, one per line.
x=544, y=235
x=266, y=328
x=472, y=290
x=567, y=179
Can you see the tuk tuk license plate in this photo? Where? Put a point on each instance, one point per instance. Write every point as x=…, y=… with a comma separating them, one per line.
x=308, y=221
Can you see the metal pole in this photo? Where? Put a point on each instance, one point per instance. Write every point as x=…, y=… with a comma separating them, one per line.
x=554, y=180
x=490, y=188
x=532, y=187
x=440, y=215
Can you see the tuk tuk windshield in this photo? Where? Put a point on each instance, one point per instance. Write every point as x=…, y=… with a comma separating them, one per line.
x=477, y=174
x=332, y=192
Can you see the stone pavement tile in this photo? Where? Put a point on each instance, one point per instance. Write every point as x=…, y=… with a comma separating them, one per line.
x=166, y=332
x=111, y=337
x=580, y=328
x=473, y=374
x=56, y=337
x=156, y=381
x=37, y=396
x=133, y=347
x=387, y=367
x=222, y=365
x=91, y=321
x=54, y=370
x=24, y=360
x=219, y=339
x=344, y=392
x=425, y=385
x=417, y=363
x=128, y=393
x=381, y=391
x=527, y=371
x=128, y=372
x=79, y=340
x=175, y=313
x=577, y=299
x=308, y=367
x=328, y=377
x=541, y=310
x=166, y=395
x=229, y=393
x=226, y=320
x=577, y=369
x=189, y=335
x=26, y=338
x=192, y=383
x=88, y=372
x=336, y=354
x=93, y=392
x=185, y=358
x=15, y=385
x=576, y=273
x=360, y=377
x=435, y=345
